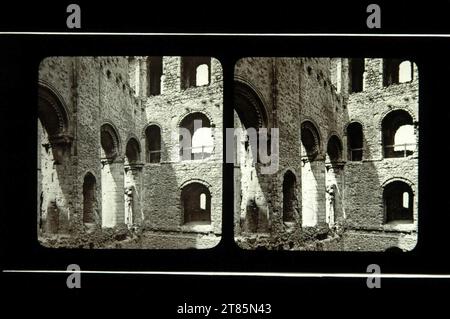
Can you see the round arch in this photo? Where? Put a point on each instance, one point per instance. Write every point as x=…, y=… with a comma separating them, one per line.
x=334, y=148
x=190, y=112
x=310, y=137
x=52, y=111
x=147, y=126
x=110, y=141
x=152, y=139
x=134, y=137
x=196, y=203
x=398, y=179
x=195, y=180
x=398, y=201
x=249, y=105
x=133, y=150
x=390, y=125
x=394, y=109
x=352, y=122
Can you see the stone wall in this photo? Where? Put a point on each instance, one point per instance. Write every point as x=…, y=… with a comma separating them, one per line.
x=364, y=180
x=103, y=90
x=294, y=90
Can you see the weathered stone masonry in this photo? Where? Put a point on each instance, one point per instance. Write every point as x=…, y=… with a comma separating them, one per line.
x=97, y=168
x=355, y=185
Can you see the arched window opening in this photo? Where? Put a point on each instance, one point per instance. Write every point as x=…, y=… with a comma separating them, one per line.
x=202, y=201
x=310, y=140
x=196, y=201
x=202, y=75
x=153, y=144
x=196, y=140
x=354, y=141
x=334, y=149
x=50, y=120
x=54, y=120
x=404, y=139
x=132, y=152
x=289, y=197
x=195, y=71
x=89, y=199
x=356, y=72
x=405, y=72
x=405, y=200
x=109, y=142
x=398, y=134
x=398, y=202
x=397, y=71
x=154, y=74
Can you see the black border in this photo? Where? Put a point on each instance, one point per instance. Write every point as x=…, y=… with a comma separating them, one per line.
x=21, y=55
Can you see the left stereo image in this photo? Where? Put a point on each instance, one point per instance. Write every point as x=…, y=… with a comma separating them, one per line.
x=129, y=152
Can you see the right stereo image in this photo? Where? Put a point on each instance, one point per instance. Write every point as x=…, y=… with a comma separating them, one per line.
x=326, y=154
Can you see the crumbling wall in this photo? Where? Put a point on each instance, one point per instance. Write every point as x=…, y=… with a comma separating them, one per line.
x=162, y=209
x=317, y=90
x=55, y=171
x=364, y=180
x=98, y=91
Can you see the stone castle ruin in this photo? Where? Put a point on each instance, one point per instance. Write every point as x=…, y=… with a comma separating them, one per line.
x=114, y=169
x=130, y=153
x=348, y=154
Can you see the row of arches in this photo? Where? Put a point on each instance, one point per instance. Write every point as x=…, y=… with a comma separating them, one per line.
x=195, y=72
x=118, y=200
x=196, y=141
x=395, y=71
x=322, y=179
x=398, y=201
x=195, y=201
x=147, y=74
x=195, y=197
x=398, y=136
x=310, y=139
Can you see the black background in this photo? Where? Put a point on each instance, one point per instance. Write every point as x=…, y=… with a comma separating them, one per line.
x=20, y=56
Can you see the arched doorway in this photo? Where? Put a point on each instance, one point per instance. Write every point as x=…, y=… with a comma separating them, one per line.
x=398, y=199
x=196, y=202
x=90, y=215
x=289, y=197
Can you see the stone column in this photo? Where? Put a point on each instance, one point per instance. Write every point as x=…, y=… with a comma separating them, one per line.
x=132, y=200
